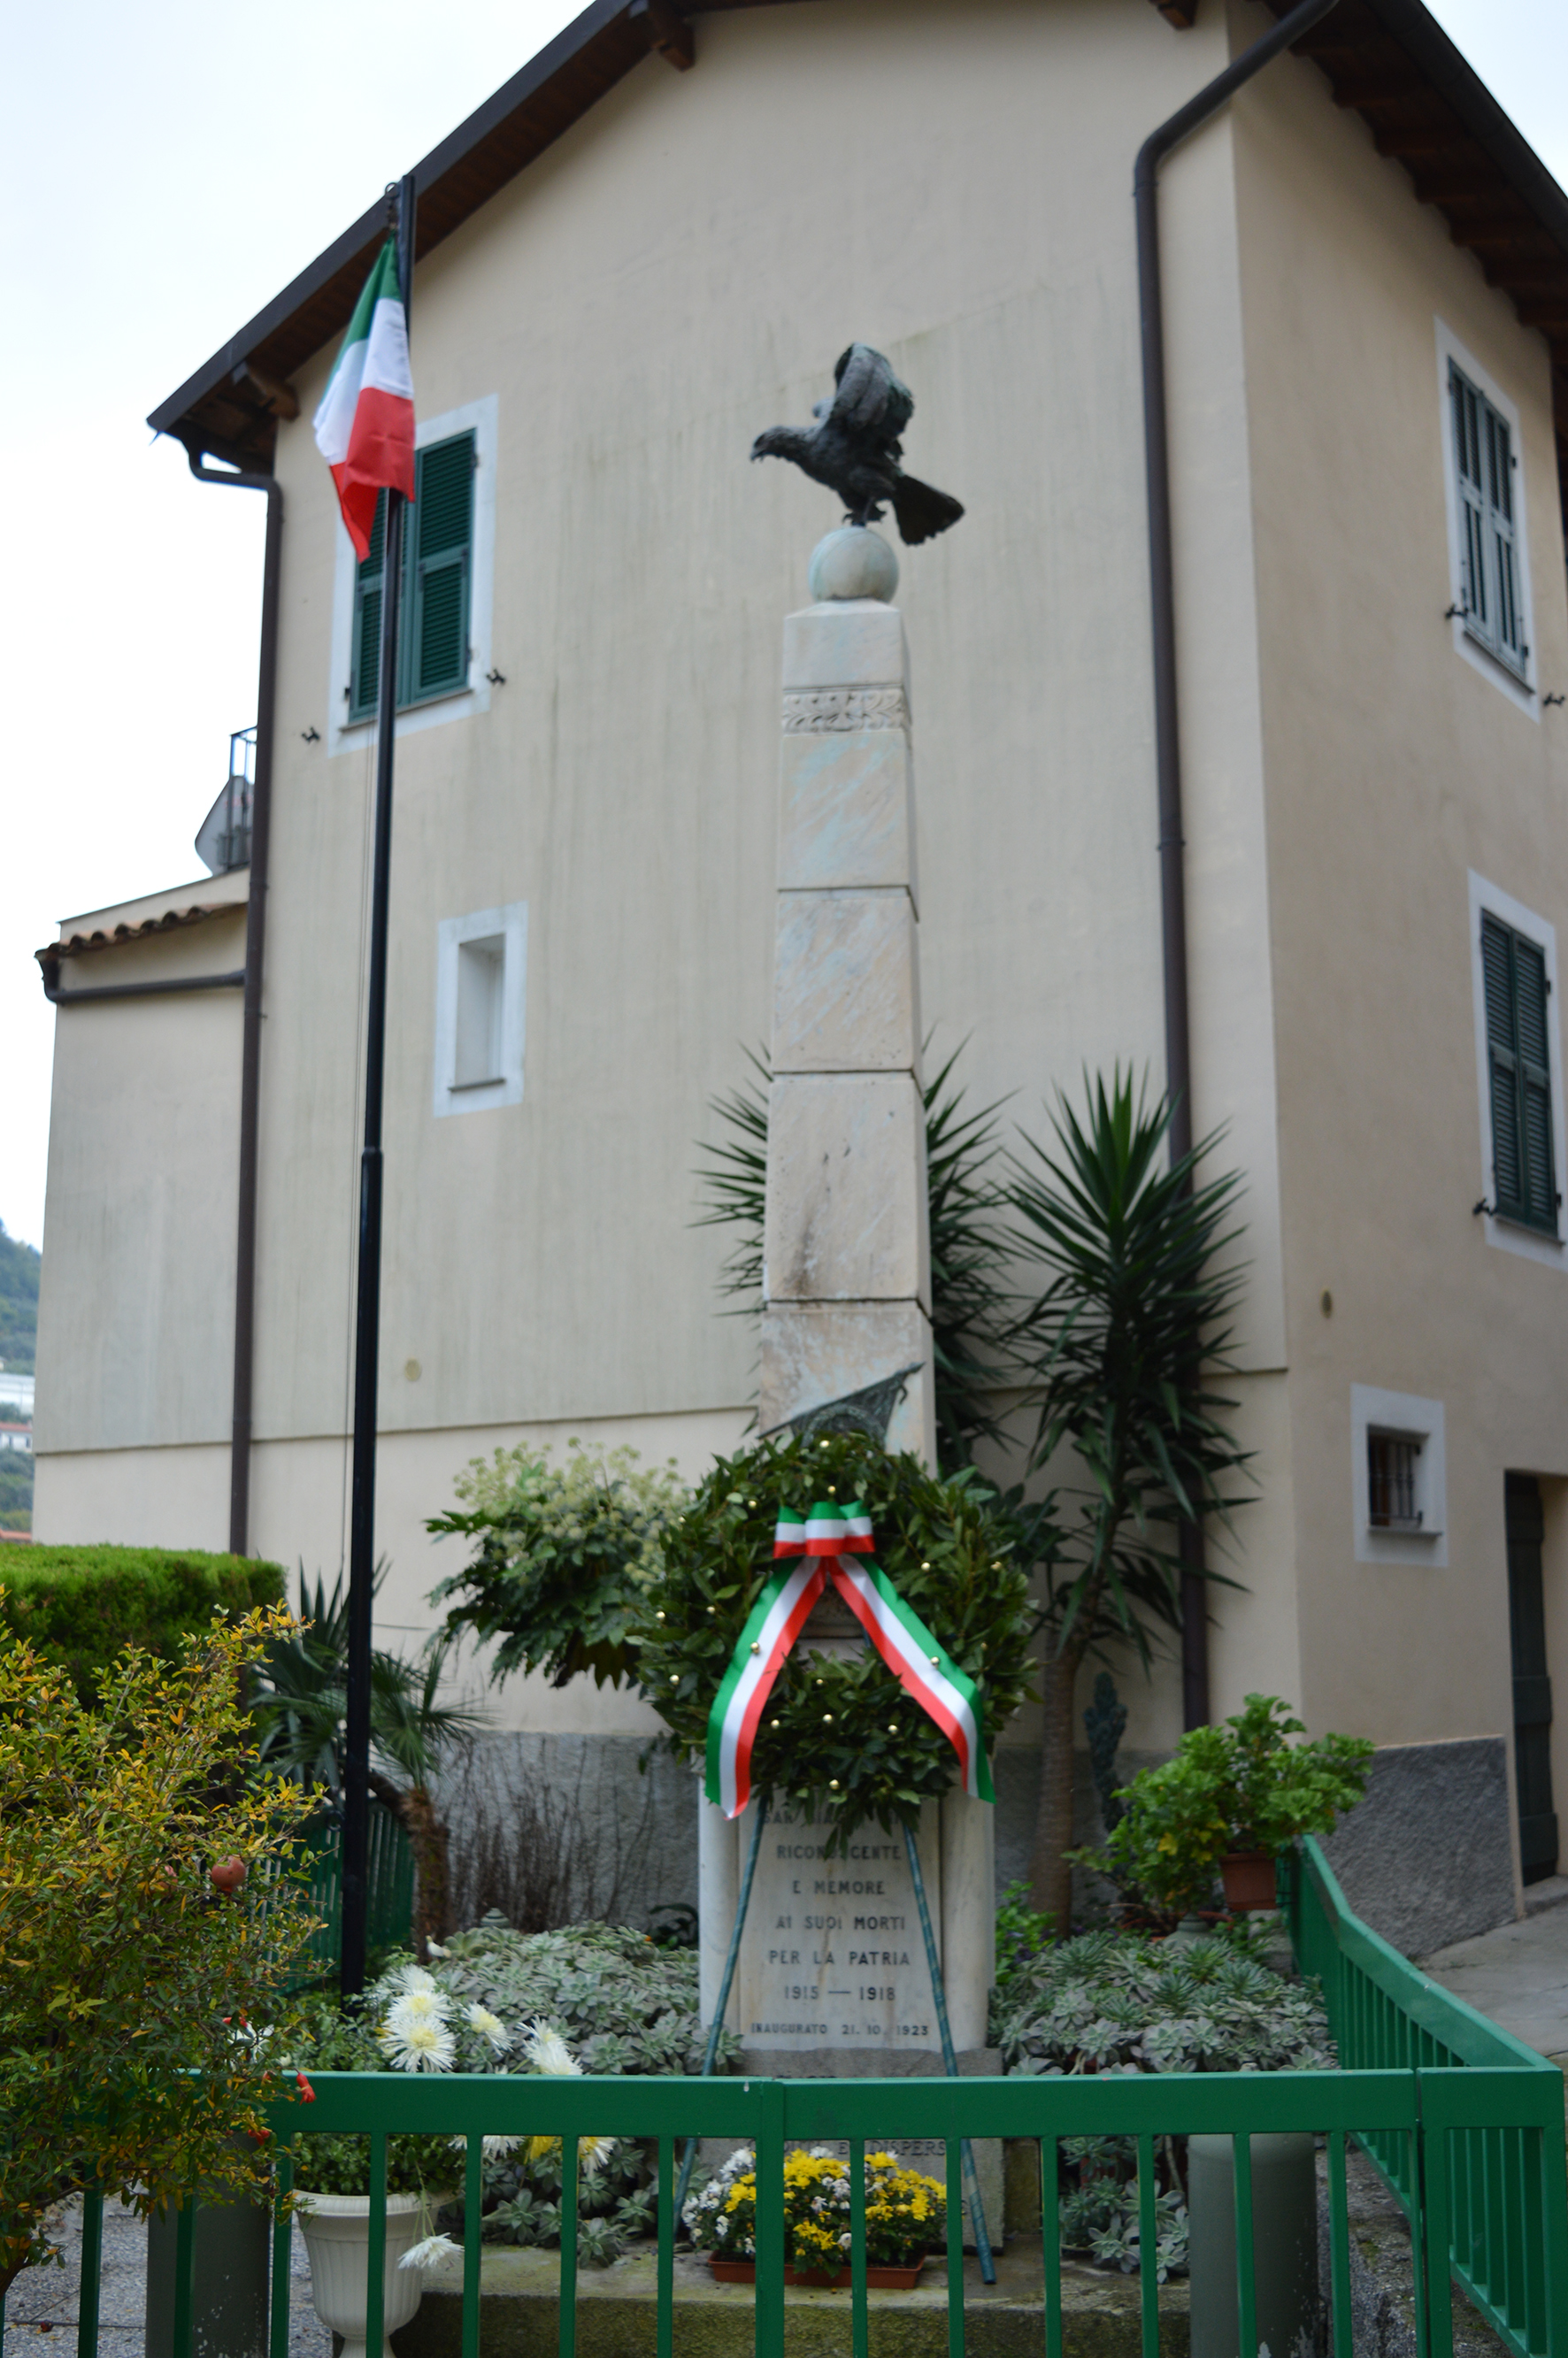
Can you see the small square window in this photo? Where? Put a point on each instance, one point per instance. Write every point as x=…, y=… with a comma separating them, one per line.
x=482, y=974
x=1398, y=1478
x=481, y=1004
x=1392, y=1471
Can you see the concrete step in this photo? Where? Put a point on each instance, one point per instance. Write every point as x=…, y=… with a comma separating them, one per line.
x=519, y=2313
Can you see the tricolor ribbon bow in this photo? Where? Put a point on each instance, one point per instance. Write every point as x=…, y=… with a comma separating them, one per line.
x=830, y=1539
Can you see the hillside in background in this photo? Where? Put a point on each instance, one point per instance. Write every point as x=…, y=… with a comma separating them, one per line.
x=19, y=1266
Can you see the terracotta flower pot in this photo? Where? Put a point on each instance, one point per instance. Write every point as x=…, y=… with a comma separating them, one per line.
x=1249, y=1879
x=878, y=2278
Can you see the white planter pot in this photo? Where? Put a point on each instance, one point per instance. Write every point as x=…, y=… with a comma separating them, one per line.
x=337, y=2235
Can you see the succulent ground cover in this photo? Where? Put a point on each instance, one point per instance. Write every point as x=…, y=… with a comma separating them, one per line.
x=622, y=2003
x=1119, y=2002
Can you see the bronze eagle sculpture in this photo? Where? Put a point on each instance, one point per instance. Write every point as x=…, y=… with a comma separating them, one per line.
x=854, y=449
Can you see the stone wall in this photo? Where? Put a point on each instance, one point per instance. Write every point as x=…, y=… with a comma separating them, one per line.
x=571, y=1826
x=1427, y=1857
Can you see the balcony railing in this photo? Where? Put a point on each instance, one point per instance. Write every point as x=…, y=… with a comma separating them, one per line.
x=1465, y=2124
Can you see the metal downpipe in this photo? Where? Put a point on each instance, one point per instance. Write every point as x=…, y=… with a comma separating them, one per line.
x=255, y=949
x=1167, y=734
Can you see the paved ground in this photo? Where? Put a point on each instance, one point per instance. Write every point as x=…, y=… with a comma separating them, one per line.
x=41, y=2311
x=1518, y=1975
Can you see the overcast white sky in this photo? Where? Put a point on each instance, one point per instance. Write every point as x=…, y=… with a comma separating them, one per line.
x=164, y=173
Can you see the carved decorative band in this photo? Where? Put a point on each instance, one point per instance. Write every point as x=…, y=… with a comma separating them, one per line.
x=809, y=712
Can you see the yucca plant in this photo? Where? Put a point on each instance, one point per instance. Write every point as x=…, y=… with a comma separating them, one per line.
x=970, y=1307
x=1121, y=1346
x=300, y=1707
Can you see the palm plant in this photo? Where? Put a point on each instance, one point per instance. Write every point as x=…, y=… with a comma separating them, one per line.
x=301, y=1709
x=1121, y=1344
x=970, y=1308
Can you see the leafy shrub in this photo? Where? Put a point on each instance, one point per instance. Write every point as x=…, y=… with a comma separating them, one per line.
x=1022, y=1932
x=78, y=1607
x=566, y=1554
x=128, y=1980
x=1241, y=1787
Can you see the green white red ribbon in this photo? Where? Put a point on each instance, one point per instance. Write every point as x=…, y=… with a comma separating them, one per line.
x=828, y=1540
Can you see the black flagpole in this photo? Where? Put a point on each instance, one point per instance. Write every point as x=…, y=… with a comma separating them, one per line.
x=367, y=1318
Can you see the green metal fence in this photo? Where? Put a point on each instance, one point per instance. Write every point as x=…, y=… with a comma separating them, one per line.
x=389, y=1897
x=1466, y=2124
x=1485, y=2184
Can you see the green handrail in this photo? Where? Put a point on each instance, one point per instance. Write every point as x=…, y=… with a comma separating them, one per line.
x=1484, y=2187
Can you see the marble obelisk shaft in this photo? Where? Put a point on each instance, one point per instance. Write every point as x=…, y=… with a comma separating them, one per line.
x=846, y=1255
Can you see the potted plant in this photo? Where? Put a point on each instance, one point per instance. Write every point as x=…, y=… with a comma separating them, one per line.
x=905, y=2216
x=1232, y=1799
x=411, y=2023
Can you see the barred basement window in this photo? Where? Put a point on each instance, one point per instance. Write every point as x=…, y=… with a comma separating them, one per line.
x=1392, y=1473
x=1519, y=1072
x=1485, y=466
x=433, y=609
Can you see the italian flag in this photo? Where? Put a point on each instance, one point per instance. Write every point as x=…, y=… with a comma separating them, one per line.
x=364, y=426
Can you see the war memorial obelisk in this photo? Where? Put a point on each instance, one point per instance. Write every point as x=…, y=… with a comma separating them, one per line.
x=832, y=1977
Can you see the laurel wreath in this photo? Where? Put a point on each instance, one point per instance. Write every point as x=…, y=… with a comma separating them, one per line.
x=839, y=1741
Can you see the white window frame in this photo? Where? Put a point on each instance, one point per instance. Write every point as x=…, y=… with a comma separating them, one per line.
x=478, y=418
x=1531, y=1244
x=1373, y=1409
x=1520, y=692
x=511, y=923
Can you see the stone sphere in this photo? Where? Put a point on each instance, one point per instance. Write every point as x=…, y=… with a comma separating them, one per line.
x=853, y=562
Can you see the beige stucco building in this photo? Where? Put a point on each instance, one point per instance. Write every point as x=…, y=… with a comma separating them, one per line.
x=624, y=272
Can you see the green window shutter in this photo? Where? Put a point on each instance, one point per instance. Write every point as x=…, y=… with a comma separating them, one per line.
x=1484, y=466
x=1519, y=1076
x=365, y=679
x=435, y=644
x=1535, y=1082
x=1508, y=1161
x=1467, y=404
x=1500, y=526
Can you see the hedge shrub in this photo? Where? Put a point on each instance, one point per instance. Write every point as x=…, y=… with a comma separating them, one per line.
x=79, y=1606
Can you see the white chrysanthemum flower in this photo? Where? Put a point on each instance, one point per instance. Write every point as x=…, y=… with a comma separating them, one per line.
x=844, y=2241
x=417, y=2046
x=412, y=1977
x=547, y=2051
x=419, y=2004
x=593, y=2152
x=721, y=2226
x=494, y=2149
x=490, y=2027
x=434, y=1949
x=435, y=2251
